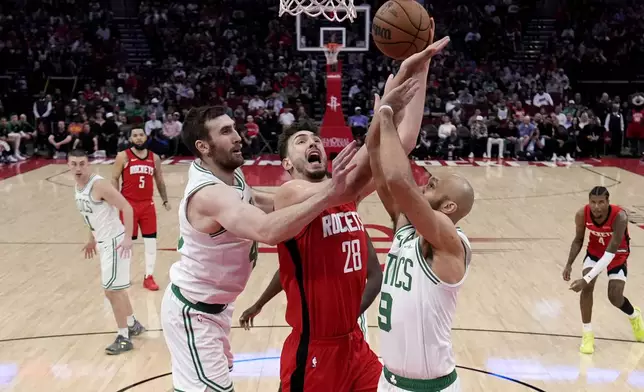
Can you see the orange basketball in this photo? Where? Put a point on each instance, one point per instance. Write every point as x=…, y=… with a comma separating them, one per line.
x=401, y=28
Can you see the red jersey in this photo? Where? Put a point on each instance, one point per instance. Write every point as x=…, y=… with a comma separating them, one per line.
x=138, y=177
x=601, y=234
x=323, y=271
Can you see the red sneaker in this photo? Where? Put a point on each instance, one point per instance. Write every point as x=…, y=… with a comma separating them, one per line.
x=150, y=284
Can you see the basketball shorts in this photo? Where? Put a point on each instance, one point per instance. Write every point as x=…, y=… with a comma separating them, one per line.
x=344, y=364
x=115, y=270
x=197, y=336
x=390, y=382
x=616, y=270
x=145, y=218
x=364, y=327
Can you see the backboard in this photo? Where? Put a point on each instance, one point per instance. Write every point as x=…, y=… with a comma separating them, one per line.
x=313, y=33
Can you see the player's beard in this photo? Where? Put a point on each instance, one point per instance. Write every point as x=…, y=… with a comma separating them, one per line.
x=311, y=175
x=139, y=147
x=224, y=158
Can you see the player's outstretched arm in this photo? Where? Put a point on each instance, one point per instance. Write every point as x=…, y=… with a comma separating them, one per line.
x=619, y=229
x=158, y=177
x=223, y=206
x=408, y=120
x=372, y=142
x=374, y=277
x=435, y=228
x=107, y=192
x=577, y=243
x=246, y=320
x=117, y=169
x=264, y=200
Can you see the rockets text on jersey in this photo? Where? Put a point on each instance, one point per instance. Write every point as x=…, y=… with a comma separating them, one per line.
x=138, y=177
x=323, y=271
x=601, y=233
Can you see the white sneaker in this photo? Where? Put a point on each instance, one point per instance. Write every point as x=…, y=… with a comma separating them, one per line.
x=484, y=155
x=11, y=159
x=19, y=157
x=569, y=158
x=471, y=155
x=554, y=158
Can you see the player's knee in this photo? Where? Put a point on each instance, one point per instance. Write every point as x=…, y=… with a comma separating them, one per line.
x=615, y=296
x=589, y=289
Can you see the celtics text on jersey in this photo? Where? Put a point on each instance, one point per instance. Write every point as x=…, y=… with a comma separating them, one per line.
x=416, y=311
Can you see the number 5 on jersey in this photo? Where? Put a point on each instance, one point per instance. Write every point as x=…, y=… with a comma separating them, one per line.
x=141, y=182
x=354, y=258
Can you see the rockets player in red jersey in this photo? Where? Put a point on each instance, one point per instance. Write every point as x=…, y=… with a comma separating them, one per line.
x=139, y=168
x=323, y=269
x=608, y=247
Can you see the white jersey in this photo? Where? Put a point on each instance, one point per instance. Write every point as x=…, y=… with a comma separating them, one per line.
x=102, y=218
x=416, y=311
x=214, y=267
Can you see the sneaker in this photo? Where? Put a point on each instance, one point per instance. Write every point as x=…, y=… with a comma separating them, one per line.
x=638, y=325
x=136, y=329
x=11, y=159
x=19, y=157
x=150, y=284
x=587, y=343
x=120, y=345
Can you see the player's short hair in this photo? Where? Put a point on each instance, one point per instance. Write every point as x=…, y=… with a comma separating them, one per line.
x=77, y=152
x=599, y=191
x=136, y=126
x=285, y=136
x=194, y=127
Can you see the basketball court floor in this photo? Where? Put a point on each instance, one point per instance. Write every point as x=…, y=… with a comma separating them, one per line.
x=517, y=327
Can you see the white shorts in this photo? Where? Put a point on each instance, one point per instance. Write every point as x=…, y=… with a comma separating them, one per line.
x=115, y=270
x=198, y=342
x=362, y=322
x=617, y=273
x=387, y=386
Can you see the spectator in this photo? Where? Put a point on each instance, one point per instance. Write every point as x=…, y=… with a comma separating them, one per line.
x=445, y=128
x=86, y=140
x=59, y=142
x=614, y=125
x=479, y=138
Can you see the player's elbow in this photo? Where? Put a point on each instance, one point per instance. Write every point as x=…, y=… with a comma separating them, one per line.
x=396, y=182
x=267, y=233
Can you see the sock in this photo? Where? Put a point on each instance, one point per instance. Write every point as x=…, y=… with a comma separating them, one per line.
x=124, y=332
x=150, y=245
x=628, y=308
x=130, y=321
x=587, y=327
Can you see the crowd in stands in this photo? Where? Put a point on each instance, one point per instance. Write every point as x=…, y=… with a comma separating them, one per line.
x=206, y=53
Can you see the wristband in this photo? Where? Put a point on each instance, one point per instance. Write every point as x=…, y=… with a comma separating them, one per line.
x=599, y=266
x=386, y=106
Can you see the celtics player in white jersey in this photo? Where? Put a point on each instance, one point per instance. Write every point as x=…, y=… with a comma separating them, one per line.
x=221, y=220
x=425, y=268
x=99, y=204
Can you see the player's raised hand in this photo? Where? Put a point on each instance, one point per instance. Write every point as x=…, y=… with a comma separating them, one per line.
x=416, y=61
x=90, y=249
x=399, y=97
x=247, y=319
x=125, y=247
x=342, y=165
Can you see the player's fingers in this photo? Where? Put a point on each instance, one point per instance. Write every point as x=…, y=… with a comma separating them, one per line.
x=347, y=159
x=439, y=45
x=338, y=159
x=346, y=154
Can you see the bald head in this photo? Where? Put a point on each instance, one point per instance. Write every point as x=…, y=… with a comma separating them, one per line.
x=460, y=191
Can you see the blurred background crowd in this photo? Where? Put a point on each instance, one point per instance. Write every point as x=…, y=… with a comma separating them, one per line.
x=545, y=80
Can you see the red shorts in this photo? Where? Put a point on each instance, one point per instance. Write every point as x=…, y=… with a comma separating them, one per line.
x=343, y=364
x=145, y=217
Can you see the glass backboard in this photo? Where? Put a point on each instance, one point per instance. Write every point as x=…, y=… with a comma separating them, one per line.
x=313, y=33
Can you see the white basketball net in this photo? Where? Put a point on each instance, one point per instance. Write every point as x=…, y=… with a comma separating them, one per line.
x=333, y=10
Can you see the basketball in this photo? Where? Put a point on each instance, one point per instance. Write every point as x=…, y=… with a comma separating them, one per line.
x=401, y=28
